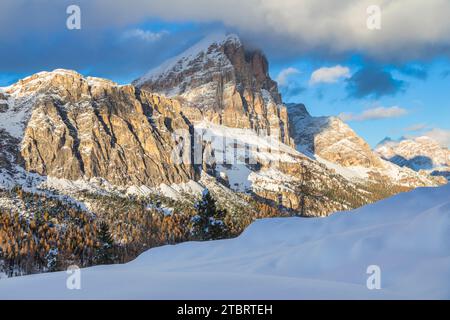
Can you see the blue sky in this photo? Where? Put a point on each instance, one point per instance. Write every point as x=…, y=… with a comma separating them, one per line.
x=391, y=82
x=425, y=98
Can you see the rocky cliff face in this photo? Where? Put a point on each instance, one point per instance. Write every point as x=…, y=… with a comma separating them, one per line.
x=331, y=139
x=77, y=128
x=224, y=83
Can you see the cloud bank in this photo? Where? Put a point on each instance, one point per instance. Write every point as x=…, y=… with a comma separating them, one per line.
x=409, y=28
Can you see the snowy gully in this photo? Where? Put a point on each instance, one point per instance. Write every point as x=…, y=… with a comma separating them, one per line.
x=226, y=309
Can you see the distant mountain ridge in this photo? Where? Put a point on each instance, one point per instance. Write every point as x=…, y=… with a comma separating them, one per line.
x=420, y=153
x=333, y=141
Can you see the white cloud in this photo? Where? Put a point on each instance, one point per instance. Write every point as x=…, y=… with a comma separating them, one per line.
x=284, y=74
x=374, y=114
x=330, y=75
x=416, y=127
x=442, y=136
x=144, y=35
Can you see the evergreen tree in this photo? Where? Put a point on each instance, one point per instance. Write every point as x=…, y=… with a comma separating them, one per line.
x=309, y=195
x=208, y=223
x=52, y=260
x=105, y=250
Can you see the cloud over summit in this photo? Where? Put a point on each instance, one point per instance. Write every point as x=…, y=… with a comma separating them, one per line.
x=409, y=28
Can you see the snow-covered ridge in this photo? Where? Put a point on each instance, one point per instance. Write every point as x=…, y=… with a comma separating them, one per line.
x=421, y=153
x=21, y=96
x=34, y=81
x=406, y=236
x=179, y=62
x=261, y=147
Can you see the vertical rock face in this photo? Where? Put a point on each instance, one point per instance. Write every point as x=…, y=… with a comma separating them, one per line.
x=88, y=127
x=331, y=139
x=224, y=83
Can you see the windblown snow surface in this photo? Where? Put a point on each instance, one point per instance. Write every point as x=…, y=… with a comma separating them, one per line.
x=407, y=236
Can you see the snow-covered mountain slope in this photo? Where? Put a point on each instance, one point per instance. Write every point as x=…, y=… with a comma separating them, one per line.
x=406, y=236
x=333, y=142
x=263, y=167
x=421, y=153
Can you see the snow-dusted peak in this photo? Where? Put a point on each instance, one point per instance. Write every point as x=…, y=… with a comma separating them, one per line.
x=18, y=100
x=426, y=139
x=228, y=82
x=45, y=75
x=416, y=153
x=36, y=81
x=207, y=47
x=385, y=141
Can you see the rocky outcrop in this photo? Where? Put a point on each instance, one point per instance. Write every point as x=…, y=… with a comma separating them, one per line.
x=224, y=83
x=79, y=128
x=331, y=139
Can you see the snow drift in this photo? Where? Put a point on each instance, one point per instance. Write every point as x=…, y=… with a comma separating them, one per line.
x=407, y=236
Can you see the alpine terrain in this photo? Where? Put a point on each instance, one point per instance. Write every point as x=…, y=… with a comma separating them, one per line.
x=92, y=172
x=421, y=153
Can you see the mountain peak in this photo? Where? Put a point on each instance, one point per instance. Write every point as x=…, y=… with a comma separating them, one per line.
x=211, y=64
x=179, y=62
x=385, y=141
x=224, y=83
